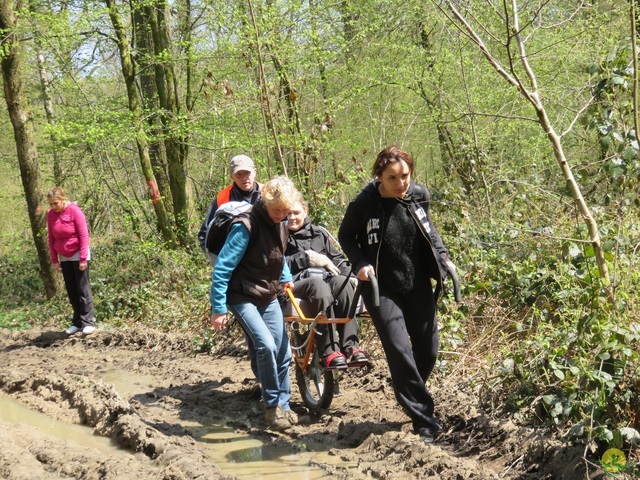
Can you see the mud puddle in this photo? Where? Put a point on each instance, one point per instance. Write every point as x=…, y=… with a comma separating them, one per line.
x=15, y=412
x=234, y=452
x=249, y=458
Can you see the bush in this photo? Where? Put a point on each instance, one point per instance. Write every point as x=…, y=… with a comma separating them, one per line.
x=565, y=355
x=131, y=282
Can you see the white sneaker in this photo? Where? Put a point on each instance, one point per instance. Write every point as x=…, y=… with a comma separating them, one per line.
x=71, y=330
x=89, y=329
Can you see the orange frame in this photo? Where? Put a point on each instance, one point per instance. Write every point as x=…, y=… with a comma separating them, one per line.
x=303, y=362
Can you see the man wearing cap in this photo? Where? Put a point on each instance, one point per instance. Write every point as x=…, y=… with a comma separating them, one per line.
x=243, y=189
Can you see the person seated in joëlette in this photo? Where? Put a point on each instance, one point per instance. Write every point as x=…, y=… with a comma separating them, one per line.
x=319, y=270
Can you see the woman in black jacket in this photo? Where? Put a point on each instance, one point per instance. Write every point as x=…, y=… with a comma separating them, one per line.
x=319, y=272
x=387, y=230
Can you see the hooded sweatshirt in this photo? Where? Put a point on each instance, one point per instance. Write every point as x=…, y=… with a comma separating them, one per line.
x=394, y=235
x=68, y=233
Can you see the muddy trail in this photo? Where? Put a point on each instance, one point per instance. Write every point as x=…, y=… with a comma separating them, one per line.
x=167, y=413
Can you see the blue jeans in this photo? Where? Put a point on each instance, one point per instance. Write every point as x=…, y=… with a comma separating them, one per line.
x=268, y=332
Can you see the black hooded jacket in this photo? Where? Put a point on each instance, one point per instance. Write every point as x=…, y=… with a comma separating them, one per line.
x=318, y=239
x=396, y=236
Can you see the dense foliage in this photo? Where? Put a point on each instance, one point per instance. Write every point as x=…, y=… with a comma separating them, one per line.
x=315, y=90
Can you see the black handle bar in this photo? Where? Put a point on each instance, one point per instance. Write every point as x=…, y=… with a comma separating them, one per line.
x=375, y=292
x=374, y=288
x=456, y=283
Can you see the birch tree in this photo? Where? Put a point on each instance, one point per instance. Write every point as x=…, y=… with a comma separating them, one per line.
x=511, y=61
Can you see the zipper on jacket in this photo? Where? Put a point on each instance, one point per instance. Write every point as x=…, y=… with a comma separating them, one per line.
x=382, y=230
x=428, y=239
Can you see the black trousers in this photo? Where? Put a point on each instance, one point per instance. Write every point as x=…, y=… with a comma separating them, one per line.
x=408, y=331
x=79, y=292
x=318, y=295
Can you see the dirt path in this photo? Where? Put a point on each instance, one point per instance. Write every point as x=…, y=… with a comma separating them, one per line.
x=144, y=389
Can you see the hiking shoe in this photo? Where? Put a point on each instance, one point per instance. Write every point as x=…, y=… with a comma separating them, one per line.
x=335, y=361
x=357, y=358
x=89, y=329
x=274, y=416
x=427, y=438
x=428, y=435
x=71, y=330
x=290, y=416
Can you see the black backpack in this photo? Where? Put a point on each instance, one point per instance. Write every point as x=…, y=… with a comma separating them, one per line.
x=218, y=228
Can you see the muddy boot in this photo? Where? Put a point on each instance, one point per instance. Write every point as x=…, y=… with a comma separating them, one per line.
x=289, y=415
x=274, y=416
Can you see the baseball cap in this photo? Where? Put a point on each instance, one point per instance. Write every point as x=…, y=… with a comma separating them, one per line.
x=241, y=162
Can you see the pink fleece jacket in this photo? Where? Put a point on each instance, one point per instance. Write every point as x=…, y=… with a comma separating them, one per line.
x=68, y=233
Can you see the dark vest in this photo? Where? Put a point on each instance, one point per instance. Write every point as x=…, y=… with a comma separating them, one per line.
x=256, y=279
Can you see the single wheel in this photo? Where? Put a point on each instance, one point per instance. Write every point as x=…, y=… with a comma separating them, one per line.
x=316, y=385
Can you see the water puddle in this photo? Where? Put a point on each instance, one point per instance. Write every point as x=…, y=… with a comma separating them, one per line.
x=13, y=411
x=235, y=453
x=128, y=384
x=248, y=458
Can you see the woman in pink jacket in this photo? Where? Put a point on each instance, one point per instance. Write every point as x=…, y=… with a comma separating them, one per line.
x=69, y=251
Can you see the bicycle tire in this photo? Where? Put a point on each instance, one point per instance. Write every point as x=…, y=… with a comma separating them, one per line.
x=316, y=385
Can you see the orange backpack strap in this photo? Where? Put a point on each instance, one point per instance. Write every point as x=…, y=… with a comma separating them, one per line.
x=224, y=195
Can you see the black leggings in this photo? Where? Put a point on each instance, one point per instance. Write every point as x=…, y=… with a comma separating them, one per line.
x=79, y=292
x=408, y=330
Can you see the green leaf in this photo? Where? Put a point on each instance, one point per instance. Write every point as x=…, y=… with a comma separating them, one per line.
x=629, y=153
x=603, y=433
x=609, y=245
x=577, y=430
x=618, y=80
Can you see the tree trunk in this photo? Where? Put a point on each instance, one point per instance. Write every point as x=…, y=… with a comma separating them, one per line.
x=634, y=49
x=51, y=118
x=46, y=98
x=464, y=162
x=349, y=18
x=24, y=135
x=128, y=71
x=267, y=112
x=144, y=52
x=175, y=139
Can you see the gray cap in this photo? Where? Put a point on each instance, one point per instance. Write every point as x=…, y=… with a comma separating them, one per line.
x=240, y=163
